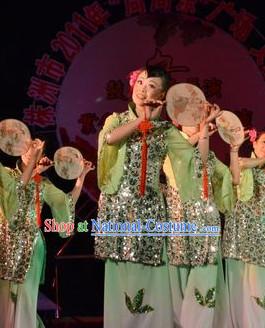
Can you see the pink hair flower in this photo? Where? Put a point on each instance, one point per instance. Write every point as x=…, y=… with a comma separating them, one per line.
x=252, y=135
x=133, y=77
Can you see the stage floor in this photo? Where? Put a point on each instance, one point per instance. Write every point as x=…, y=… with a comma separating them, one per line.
x=47, y=311
x=74, y=322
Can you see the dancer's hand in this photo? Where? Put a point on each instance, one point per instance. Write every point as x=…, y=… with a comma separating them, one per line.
x=88, y=166
x=36, y=148
x=152, y=109
x=211, y=112
x=212, y=129
x=43, y=164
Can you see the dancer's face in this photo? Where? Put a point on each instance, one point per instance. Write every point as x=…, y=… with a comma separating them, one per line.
x=259, y=146
x=147, y=88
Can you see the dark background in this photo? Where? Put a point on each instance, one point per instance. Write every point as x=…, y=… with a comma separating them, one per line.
x=27, y=27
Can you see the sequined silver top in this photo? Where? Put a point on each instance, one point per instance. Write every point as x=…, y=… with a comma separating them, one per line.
x=244, y=234
x=18, y=234
x=127, y=204
x=194, y=250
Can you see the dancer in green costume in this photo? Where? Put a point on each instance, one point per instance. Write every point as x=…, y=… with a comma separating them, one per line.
x=22, y=247
x=137, y=285
x=195, y=265
x=244, y=240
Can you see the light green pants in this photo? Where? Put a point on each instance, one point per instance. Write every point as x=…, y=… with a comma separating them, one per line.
x=126, y=278
x=18, y=302
x=198, y=296
x=246, y=294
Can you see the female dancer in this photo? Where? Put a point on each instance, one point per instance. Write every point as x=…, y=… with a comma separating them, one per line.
x=22, y=245
x=193, y=258
x=244, y=239
x=136, y=271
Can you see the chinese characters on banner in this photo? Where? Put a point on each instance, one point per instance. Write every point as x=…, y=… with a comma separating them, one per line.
x=44, y=87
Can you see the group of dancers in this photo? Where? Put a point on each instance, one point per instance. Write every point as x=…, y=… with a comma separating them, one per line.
x=150, y=281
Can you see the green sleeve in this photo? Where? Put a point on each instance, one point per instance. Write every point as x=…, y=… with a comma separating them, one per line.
x=245, y=189
x=223, y=191
x=60, y=203
x=181, y=156
x=11, y=192
x=108, y=169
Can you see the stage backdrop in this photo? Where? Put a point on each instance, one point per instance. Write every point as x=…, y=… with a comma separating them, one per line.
x=212, y=44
